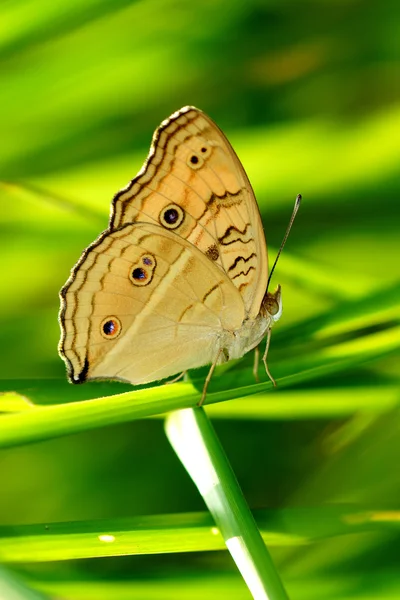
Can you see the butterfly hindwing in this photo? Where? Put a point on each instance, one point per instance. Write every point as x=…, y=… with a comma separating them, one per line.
x=142, y=304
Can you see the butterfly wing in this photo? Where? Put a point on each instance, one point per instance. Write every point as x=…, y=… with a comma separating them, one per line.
x=143, y=304
x=193, y=183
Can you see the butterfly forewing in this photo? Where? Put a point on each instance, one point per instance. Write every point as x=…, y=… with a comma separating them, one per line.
x=193, y=184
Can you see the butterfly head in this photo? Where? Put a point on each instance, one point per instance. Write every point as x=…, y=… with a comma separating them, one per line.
x=271, y=305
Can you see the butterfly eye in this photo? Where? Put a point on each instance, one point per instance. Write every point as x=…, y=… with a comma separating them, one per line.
x=273, y=307
x=270, y=305
x=172, y=216
x=110, y=328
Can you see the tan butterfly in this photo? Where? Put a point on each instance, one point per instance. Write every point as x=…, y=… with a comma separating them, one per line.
x=179, y=278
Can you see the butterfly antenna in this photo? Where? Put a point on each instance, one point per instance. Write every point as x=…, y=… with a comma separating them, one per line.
x=289, y=227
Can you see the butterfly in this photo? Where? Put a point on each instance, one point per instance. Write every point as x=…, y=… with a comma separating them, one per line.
x=179, y=278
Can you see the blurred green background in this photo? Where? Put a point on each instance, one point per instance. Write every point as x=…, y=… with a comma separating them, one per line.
x=308, y=92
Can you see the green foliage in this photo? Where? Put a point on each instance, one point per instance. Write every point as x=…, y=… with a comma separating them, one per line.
x=305, y=91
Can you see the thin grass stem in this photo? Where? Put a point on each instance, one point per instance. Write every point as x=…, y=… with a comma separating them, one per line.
x=194, y=440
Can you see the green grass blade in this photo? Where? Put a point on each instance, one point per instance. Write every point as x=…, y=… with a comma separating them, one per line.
x=184, y=532
x=57, y=420
x=315, y=403
x=196, y=444
x=52, y=421
x=324, y=586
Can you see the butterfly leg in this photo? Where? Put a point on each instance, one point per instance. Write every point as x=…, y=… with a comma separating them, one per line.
x=256, y=363
x=265, y=357
x=208, y=378
x=177, y=378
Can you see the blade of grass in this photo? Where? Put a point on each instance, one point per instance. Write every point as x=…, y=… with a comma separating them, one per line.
x=325, y=403
x=57, y=420
x=367, y=584
x=197, y=446
x=62, y=419
x=304, y=365
x=340, y=401
x=185, y=532
x=192, y=585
